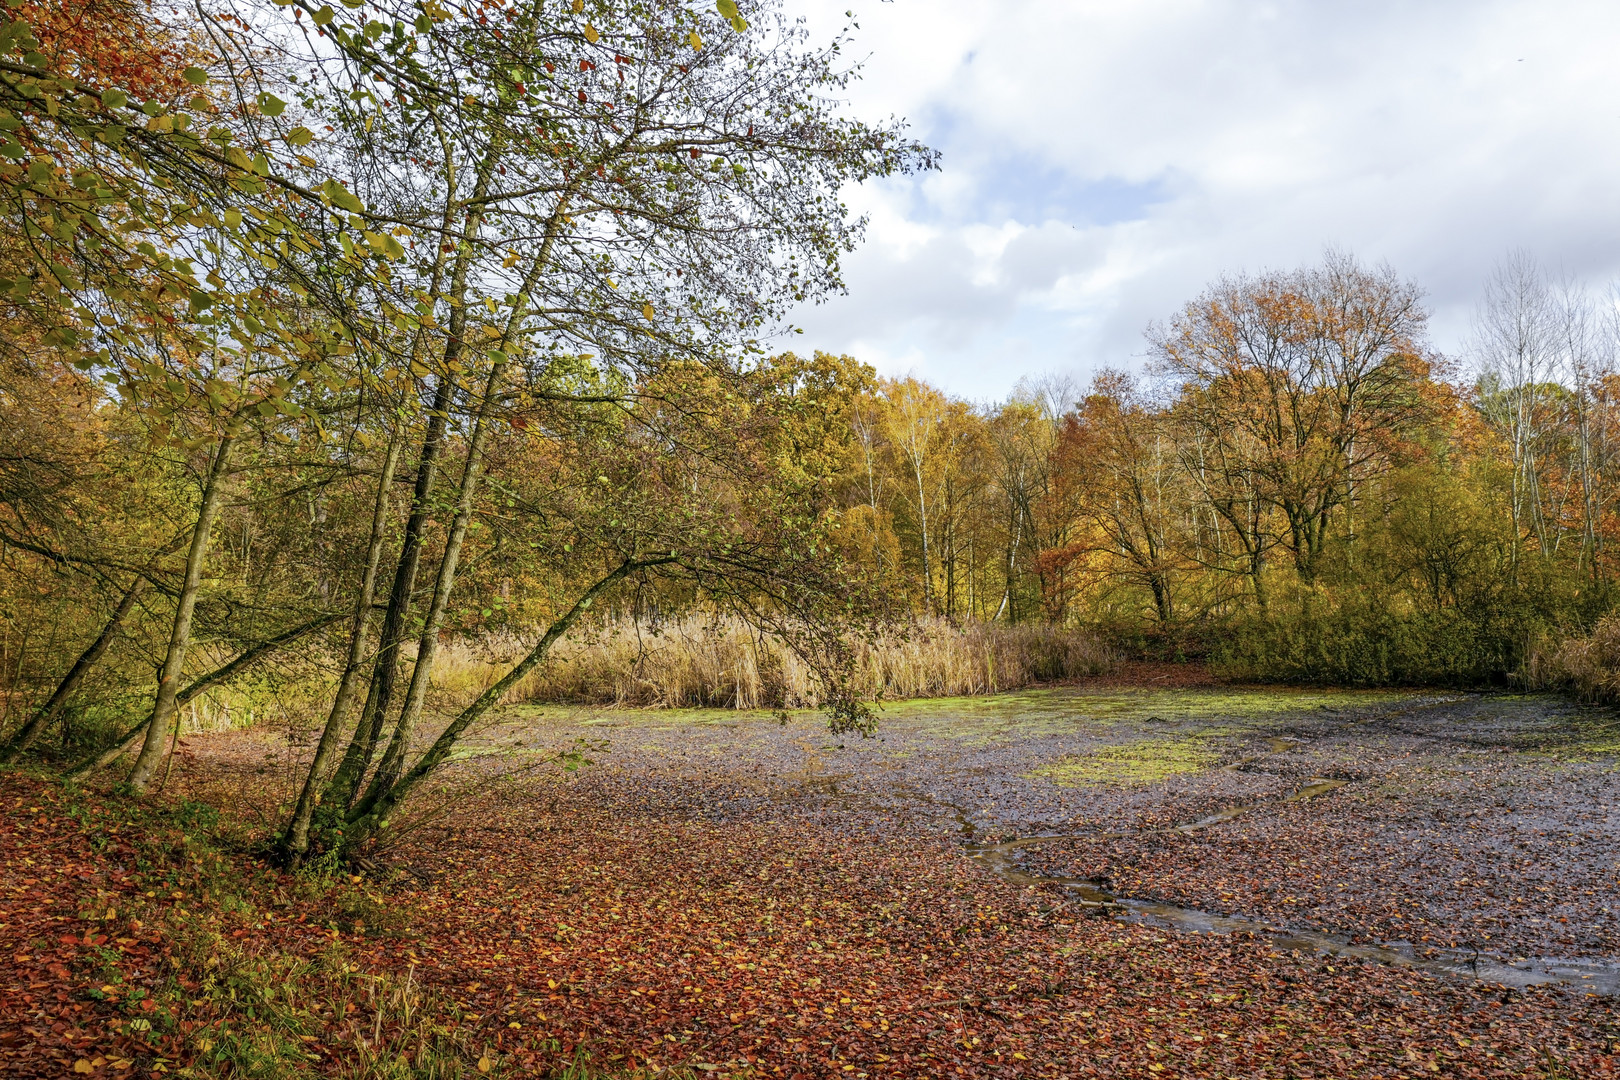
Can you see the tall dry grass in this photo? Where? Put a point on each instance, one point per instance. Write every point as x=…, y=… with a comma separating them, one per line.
x=723, y=663
x=1587, y=666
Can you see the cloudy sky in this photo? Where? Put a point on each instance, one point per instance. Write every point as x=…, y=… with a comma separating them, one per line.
x=1103, y=160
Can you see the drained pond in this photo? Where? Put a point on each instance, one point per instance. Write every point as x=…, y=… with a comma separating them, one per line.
x=1466, y=834
x=1066, y=882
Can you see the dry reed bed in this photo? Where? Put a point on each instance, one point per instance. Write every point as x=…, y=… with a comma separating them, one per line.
x=724, y=663
x=1587, y=666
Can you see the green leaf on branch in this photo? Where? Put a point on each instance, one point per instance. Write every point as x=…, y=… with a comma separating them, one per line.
x=728, y=8
x=342, y=197
x=196, y=76
x=270, y=105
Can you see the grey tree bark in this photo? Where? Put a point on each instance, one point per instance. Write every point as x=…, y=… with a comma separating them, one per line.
x=174, y=660
x=297, y=837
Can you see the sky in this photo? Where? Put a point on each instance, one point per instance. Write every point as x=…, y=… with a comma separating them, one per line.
x=1101, y=162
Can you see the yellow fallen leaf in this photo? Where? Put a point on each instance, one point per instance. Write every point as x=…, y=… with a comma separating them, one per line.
x=484, y=1064
x=83, y=1066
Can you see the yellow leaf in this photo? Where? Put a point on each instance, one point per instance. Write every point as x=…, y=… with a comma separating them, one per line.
x=590, y=34
x=484, y=1064
x=83, y=1066
x=697, y=42
x=579, y=5
x=647, y=312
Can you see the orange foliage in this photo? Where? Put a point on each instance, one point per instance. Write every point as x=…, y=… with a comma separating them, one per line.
x=118, y=43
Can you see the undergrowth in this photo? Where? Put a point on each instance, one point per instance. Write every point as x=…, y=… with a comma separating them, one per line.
x=236, y=995
x=1371, y=645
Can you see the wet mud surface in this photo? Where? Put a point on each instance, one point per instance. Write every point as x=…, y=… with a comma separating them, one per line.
x=1189, y=882
x=1468, y=829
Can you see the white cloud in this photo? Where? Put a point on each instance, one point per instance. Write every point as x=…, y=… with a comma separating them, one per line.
x=1104, y=160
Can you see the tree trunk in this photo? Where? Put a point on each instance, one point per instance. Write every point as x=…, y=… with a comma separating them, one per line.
x=201, y=684
x=345, y=783
x=296, y=842
x=388, y=770
x=46, y=715
x=922, y=520
x=384, y=803
x=163, y=709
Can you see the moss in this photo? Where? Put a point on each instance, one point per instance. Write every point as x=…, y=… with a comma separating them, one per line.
x=1132, y=764
x=1064, y=711
x=1114, y=716
x=1584, y=736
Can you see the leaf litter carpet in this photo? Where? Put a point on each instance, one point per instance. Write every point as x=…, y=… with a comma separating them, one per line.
x=728, y=898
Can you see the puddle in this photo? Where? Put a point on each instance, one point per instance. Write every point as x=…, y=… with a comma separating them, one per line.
x=1001, y=859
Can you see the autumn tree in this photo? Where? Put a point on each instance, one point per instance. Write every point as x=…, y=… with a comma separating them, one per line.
x=1309, y=375
x=593, y=197
x=1115, y=452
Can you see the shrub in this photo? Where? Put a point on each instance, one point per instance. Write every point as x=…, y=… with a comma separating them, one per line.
x=1368, y=644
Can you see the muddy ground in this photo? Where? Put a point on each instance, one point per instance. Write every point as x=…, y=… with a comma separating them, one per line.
x=1466, y=821
x=1463, y=821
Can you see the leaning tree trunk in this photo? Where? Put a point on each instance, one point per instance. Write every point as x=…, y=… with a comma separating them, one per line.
x=164, y=708
x=296, y=842
x=345, y=783
x=46, y=715
x=388, y=770
x=384, y=803
x=243, y=660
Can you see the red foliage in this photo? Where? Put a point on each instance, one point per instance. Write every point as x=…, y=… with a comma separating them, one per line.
x=559, y=922
x=119, y=43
